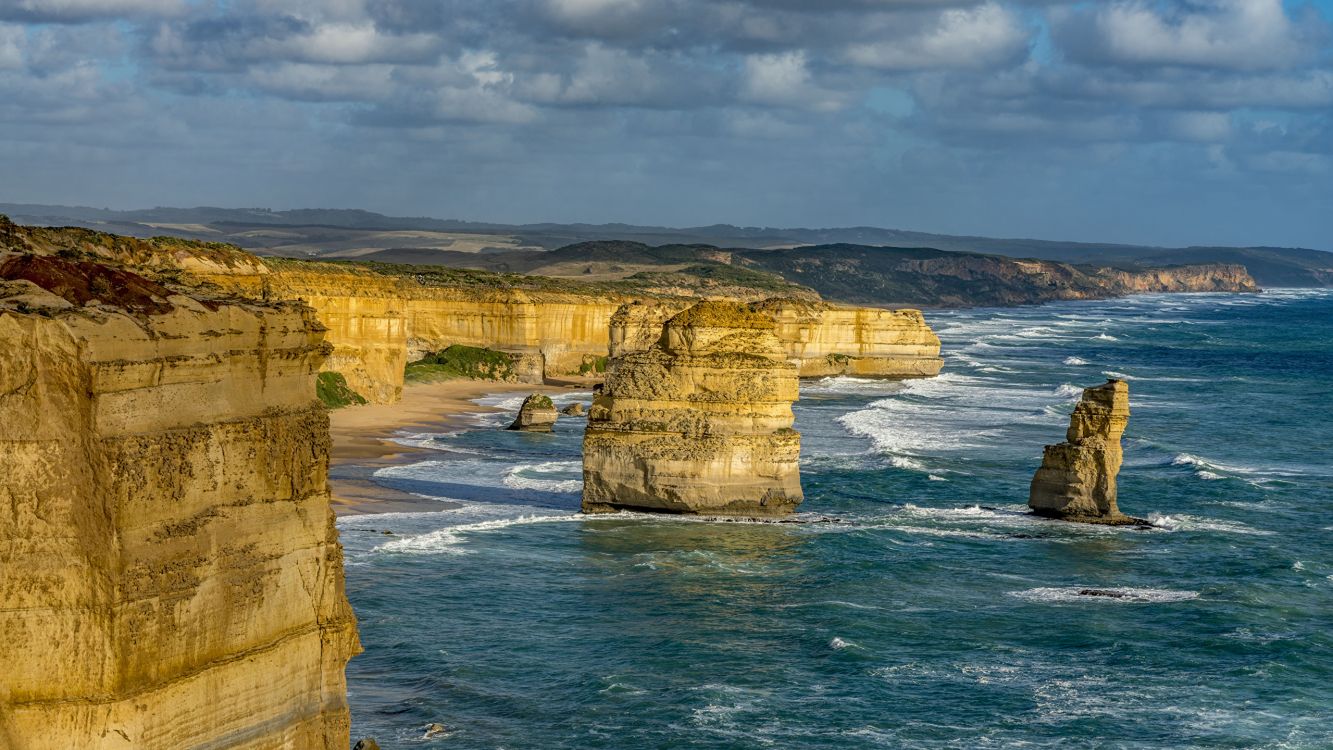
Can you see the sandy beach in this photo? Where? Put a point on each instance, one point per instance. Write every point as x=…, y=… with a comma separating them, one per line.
x=363, y=438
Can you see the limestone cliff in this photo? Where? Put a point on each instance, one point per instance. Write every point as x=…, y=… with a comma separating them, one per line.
x=380, y=318
x=1208, y=277
x=170, y=575
x=821, y=339
x=1077, y=478
x=698, y=423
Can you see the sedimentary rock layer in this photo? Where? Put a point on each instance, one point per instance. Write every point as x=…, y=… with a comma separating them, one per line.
x=377, y=322
x=821, y=339
x=1077, y=478
x=170, y=575
x=698, y=423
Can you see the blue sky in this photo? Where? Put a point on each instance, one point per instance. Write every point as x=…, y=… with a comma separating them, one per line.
x=1155, y=121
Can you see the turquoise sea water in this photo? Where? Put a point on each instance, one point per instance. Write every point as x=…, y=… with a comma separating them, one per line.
x=925, y=609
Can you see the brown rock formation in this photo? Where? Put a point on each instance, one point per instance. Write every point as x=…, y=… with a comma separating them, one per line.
x=699, y=423
x=170, y=575
x=1077, y=478
x=537, y=414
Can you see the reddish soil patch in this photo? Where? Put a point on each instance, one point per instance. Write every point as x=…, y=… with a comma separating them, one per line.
x=82, y=281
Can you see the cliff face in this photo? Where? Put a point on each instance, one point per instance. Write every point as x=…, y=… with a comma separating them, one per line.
x=378, y=321
x=1077, y=478
x=699, y=423
x=819, y=338
x=923, y=276
x=169, y=570
x=1195, y=278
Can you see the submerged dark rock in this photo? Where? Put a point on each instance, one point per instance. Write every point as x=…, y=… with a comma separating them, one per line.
x=1108, y=593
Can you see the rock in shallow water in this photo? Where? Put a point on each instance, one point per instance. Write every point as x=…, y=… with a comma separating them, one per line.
x=537, y=414
x=574, y=410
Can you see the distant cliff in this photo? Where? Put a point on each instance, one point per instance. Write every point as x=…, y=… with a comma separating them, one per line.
x=169, y=569
x=331, y=233
x=921, y=276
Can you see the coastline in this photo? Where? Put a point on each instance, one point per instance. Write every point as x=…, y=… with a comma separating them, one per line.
x=363, y=438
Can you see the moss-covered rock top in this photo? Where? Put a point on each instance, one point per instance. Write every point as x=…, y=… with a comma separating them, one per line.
x=720, y=314
x=460, y=361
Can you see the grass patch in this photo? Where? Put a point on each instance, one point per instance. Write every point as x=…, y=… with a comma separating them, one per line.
x=592, y=365
x=539, y=401
x=332, y=389
x=460, y=361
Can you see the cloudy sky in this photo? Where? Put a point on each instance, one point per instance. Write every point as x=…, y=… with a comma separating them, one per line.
x=1159, y=121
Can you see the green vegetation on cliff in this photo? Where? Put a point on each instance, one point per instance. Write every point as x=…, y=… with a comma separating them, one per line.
x=332, y=389
x=592, y=365
x=462, y=362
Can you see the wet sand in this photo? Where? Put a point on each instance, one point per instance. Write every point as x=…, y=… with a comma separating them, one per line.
x=363, y=438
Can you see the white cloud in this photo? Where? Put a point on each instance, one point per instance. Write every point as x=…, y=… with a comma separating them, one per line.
x=986, y=35
x=1232, y=34
x=11, y=47
x=784, y=80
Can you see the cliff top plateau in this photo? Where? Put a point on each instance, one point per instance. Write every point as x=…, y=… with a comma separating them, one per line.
x=948, y=275
x=348, y=233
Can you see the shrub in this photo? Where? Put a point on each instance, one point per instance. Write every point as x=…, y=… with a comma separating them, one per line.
x=332, y=389
x=459, y=361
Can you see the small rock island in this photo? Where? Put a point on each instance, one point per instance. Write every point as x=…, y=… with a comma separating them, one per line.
x=537, y=414
x=699, y=423
x=1077, y=478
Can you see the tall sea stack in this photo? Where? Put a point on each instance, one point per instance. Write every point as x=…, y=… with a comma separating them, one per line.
x=698, y=423
x=1077, y=478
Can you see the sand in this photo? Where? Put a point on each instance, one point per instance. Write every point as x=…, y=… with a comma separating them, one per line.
x=362, y=439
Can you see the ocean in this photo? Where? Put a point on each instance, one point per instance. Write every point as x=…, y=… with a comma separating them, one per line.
x=918, y=605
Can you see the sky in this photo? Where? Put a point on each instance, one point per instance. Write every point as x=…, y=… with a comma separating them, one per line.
x=1168, y=122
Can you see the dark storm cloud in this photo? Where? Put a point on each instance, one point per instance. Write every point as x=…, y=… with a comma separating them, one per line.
x=948, y=115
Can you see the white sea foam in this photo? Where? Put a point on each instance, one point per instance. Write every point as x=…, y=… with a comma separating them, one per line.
x=1208, y=469
x=1075, y=361
x=446, y=540
x=1199, y=523
x=949, y=413
x=1113, y=595
x=843, y=384
x=936, y=478
x=549, y=476
x=1105, y=337
x=838, y=644
x=911, y=464
x=1118, y=375
x=1069, y=390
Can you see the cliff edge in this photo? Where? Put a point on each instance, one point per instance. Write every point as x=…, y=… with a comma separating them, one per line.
x=170, y=574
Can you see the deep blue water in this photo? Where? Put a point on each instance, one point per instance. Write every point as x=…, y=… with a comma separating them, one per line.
x=934, y=613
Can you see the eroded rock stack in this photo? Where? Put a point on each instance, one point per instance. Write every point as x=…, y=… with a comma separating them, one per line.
x=1077, y=478
x=537, y=414
x=170, y=574
x=698, y=423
